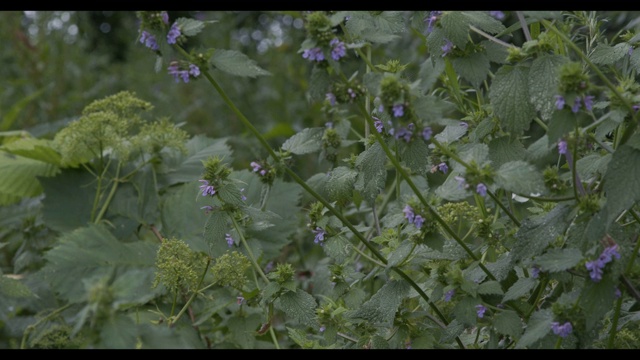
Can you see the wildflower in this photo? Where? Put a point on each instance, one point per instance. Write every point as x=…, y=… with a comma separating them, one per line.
x=497, y=14
x=609, y=253
x=480, y=310
x=320, y=233
x=165, y=17
x=562, y=147
x=229, y=239
x=149, y=40
x=535, y=272
x=461, y=182
x=239, y=300
x=381, y=109
x=636, y=107
x=595, y=270
x=244, y=198
x=398, y=110
x=408, y=213
x=447, y=48
x=443, y=167
x=588, y=102
x=449, y=294
x=378, y=125
x=338, y=49
x=418, y=221
x=561, y=330
x=268, y=267
x=426, y=133
x=206, y=188
x=559, y=102
x=433, y=16
x=174, y=33
x=481, y=189
x=194, y=70
x=352, y=93
x=322, y=328
x=618, y=293
x=576, y=105
x=332, y=99
x=255, y=166
x=328, y=124
x=314, y=54
x=178, y=74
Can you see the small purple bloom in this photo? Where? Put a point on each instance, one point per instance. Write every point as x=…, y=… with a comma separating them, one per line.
x=636, y=107
x=576, y=105
x=206, y=188
x=403, y=133
x=449, y=294
x=229, y=239
x=255, y=166
x=481, y=189
x=561, y=330
x=433, y=16
x=378, y=125
x=447, y=48
x=595, y=270
x=194, y=70
x=609, y=253
x=497, y=14
x=165, y=17
x=462, y=183
x=398, y=110
x=535, y=272
x=244, y=198
x=149, y=40
x=426, y=133
x=320, y=233
x=263, y=172
x=332, y=99
x=480, y=310
x=559, y=102
x=618, y=293
x=408, y=213
x=464, y=124
x=352, y=93
x=328, y=124
x=443, y=167
x=380, y=109
x=562, y=147
x=338, y=50
x=588, y=102
x=418, y=221
x=174, y=33
x=322, y=328
x=314, y=54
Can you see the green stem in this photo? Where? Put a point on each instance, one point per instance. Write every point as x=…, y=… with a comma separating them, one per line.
x=30, y=328
x=193, y=296
x=504, y=208
x=112, y=193
x=246, y=246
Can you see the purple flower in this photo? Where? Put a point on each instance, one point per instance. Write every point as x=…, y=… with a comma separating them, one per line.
x=449, y=294
x=178, y=74
x=481, y=189
x=447, y=48
x=320, y=233
x=331, y=98
x=636, y=107
x=398, y=110
x=408, y=213
x=229, y=239
x=174, y=33
x=559, y=102
x=576, y=105
x=328, y=124
x=378, y=125
x=618, y=293
x=149, y=40
x=322, y=328
x=338, y=50
x=433, y=16
x=206, y=188
x=194, y=70
x=314, y=54
x=497, y=14
x=609, y=253
x=588, y=102
x=418, y=221
x=462, y=183
x=535, y=272
x=255, y=166
x=480, y=310
x=244, y=198
x=404, y=133
x=352, y=93
x=562, y=147
x=443, y=167
x=595, y=270
x=426, y=133
x=165, y=17
x=561, y=330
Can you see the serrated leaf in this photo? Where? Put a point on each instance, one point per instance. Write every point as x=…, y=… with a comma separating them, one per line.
x=179, y=213
x=230, y=194
x=118, y=332
x=465, y=311
x=556, y=260
x=455, y=26
x=340, y=184
x=400, y=253
x=190, y=27
x=591, y=165
x=485, y=22
x=430, y=108
x=543, y=81
x=93, y=252
x=519, y=177
x=509, y=95
x=164, y=337
x=490, y=288
x=508, y=323
x=520, y=288
x=188, y=167
x=451, y=133
x=242, y=330
x=306, y=141
x=429, y=74
x=381, y=308
x=214, y=233
x=538, y=326
x=451, y=189
x=504, y=149
x=319, y=84
x=381, y=28
x=69, y=199
x=605, y=54
x=415, y=156
x=452, y=331
x=299, y=306
x=372, y=173
x=474, y=67
x=34, y=148
x=236, y=63
x=537, y=232
x=561, y=124
x=622, y=179
x=495, y=52
x=300, y=338
x=596, y=300
x=539, y=149
x=13, y=288
x=19, y=175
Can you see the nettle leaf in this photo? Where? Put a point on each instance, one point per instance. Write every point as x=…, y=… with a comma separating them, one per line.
x=596, y=300
x=451, y=189
x=230, y=194
x=429, y=73
x=381, y=28
x=236, y=63
x=416, y=156
x=562, y=123
x=520, y=288
x=538, y=326
x=455, y=27
x=188, y=167
x=340, y=184
x=430, y=108
x=622, y=179
x=465, y=311
x=180, y=213
x=190, y=27
x=451, y=133
x=592, y=164
x=241, y=327
x=319, y=82
x=509, y=95
x=69, y=199
x=490, y=288
x=215, y=228
x=537, y=232
x=505, y=149
x=338, y=248
x=556, y=260
x=605, y=54
x=306, y=141
x=508, y=322
x=299, y=306
x=381, y=308
x=474, y=67
x=93, y=252
x=635, y=60
x=13, y=288
x=34, y=148
x=163, y=337
x=519, y=177
x=495, y=52
x=453, y=330
x=400, y=253
x=19, y=175
x=539, y=149
x=543, y=81
x=118, y=332
x=372, y=173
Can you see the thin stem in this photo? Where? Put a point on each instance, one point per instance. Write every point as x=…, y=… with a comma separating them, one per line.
x=246, y=246
x=112, y=193
x=30, y=328
x=501, y=205
x=193, y=296
x=492, y=38
x=525, y=27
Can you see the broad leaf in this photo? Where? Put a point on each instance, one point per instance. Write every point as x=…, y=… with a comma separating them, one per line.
x=538, y=326
x=306, y=141
x=520, y=177
x=520, y=288
x=622, y=180
x=299, y=306
x=474, y=68
x=556, y=260
x=605, y=54
x=236, y=63
x=69, y=201
x=509, y=95
x=508, y=323
x=372, y=173
x=543, y=83
x=381, y=28
x=19, y=175
x=504, y=149
x=381, y=308
x=188, y=167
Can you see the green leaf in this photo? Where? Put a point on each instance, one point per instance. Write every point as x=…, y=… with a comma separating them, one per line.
x=451, y=189
x=381, y=28
x=505, y=149
x=13, y=288
x=400, y=253
x=622, y=180
x=340, y=184
x=592, y=165
x=415, y=156
x=556, y=260
x=509, y=95
x=242, y=329
x=306, y=141
x=19, y=175
x=520, y=177
x=372, y=173
x=118, y=332
x=214, y=233
x=338, y=248
x=230, y=194
x=188, y=167
x=455, y=26
x=429, y=74
x=190, y=27
x=508, y=322
x=495, y=52
x=299, y=306
x=69, y=199
x=430, y=108
x=34, y=148
x=93, y=252
x=490, y=288
x=451, y=133
x=538, y=326
x=596, y=300
x=452, y=331
x=381, y=308
x=474, y=67
x=605, y=54
x=561, y=124
x=236, y=63
x=180, y=213
x=319, y=84
x=544, y=78
x=300, y=338
x=485, y=22
x=537, y=232
x=465, y=311
x=163, y=337
x=520, y=288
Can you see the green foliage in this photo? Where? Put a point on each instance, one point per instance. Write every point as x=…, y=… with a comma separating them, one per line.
x=236, y=63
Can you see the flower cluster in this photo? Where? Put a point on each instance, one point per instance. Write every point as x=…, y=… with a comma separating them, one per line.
x=313, y=54
x=442, y=167
x=449, y=294
x=174, y=33
x=257, y=168
x=480, y=310
x=587, y=100
x=398, y=110
x=447, y=48
x=562, y=147
x=417, y=220
x=229, y=239
x=596, y=267
x=149, y=40
x=184, y=74
x=426, y=133
x=431, y=19
x=481, y=188
x=338, y=49
x=206, y=188
x=320, y=233
x=405, y=133
x=499, y=15
x=561, y=330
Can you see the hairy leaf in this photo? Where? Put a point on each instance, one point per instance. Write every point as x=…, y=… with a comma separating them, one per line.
x=34, y=148
x=299, y=306
x=415, y=155
x=188, y=167
x=605, y=54
x=596, y=299
x=504, y=149
x=508, y=323
x=372, y=173
x=381, y=308
x=539, y=231
x=544, y=78
x=474, y=68
x=556, y=260
x=622, y=180
x=69, y=199
x=519, y=177
x=190, y=27
x=538, y=326
x=306, y=141
x=455, y=26
x=236, y=63
x=490, y=288
x=381, y=28
x=509, y=95
x=19, y=175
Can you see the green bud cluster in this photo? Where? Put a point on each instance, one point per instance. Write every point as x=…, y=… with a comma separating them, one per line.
x=392, y=66
x=393, y=91
x=573, y=80
x=319, y=28
x=316, y=213
x=215, y=171
x=57, y=337
x=283, y=273
x=151, y=20
x=230, y=269
x=347, y=93
x=178, y=267
x=552, y=180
